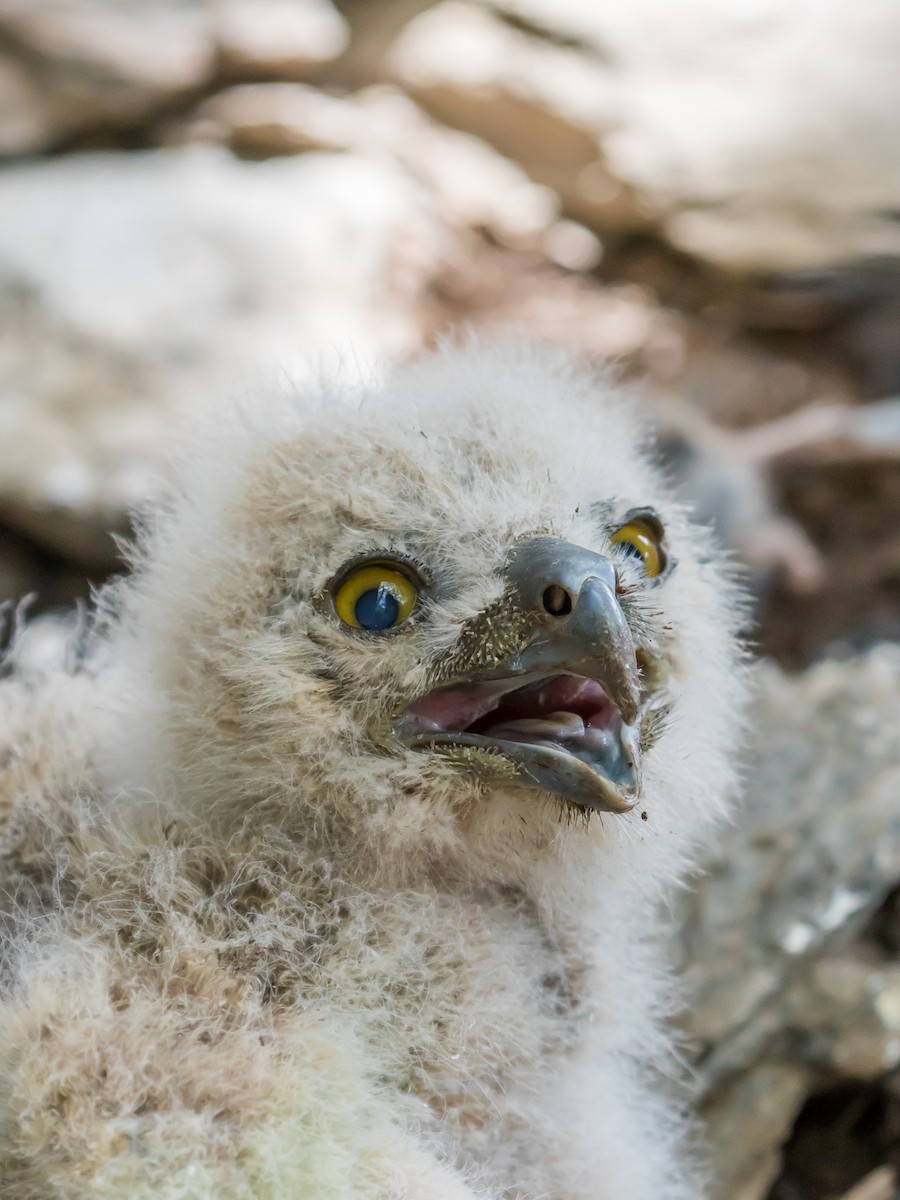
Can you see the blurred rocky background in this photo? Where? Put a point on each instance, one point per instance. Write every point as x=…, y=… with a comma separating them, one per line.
x=199, y=197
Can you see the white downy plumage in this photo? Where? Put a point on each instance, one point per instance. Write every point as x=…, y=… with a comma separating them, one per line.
x=258, y=950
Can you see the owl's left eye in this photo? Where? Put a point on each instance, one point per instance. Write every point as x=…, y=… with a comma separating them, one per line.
x=375, y=597
x=642, y=539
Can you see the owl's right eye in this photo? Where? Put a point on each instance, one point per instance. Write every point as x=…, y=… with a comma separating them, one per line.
x=642, y=539
x=375, y=597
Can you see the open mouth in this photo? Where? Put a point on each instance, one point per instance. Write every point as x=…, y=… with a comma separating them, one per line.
x=563, y=733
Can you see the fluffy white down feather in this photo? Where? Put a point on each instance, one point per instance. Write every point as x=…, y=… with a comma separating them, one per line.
x=250, y=953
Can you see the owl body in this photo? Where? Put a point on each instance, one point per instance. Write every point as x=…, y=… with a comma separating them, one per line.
x=337, y=867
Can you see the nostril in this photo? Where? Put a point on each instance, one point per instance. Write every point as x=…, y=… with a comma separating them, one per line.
x=557, y=601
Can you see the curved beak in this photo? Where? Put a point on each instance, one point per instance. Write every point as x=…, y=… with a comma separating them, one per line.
x=590, y=635
x=564, y=708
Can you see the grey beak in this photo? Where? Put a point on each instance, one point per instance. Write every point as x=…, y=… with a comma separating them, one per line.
x=579, y=626
x=575, y=627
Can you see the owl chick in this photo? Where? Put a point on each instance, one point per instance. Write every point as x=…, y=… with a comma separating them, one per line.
x=335, y=870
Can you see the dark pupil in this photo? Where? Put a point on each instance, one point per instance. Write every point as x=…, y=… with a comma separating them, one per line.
x=378, y=608
x=632, y=551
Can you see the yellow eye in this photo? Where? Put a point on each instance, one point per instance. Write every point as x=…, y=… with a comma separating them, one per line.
x=642, y=538
x=375, y=597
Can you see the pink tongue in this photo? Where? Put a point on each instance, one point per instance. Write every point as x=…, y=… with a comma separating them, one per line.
x=455, y=708
x=561, y=696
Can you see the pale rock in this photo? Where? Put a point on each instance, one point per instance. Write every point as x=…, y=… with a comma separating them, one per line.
x=98, y=62
x=760, y=135
x=815, y=851
x=192, y=276
x=81, y=65
x=775, y=1003
x=279, y=37
x=472, y=183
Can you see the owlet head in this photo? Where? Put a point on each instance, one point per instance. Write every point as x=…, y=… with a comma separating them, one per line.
x=466, y=587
